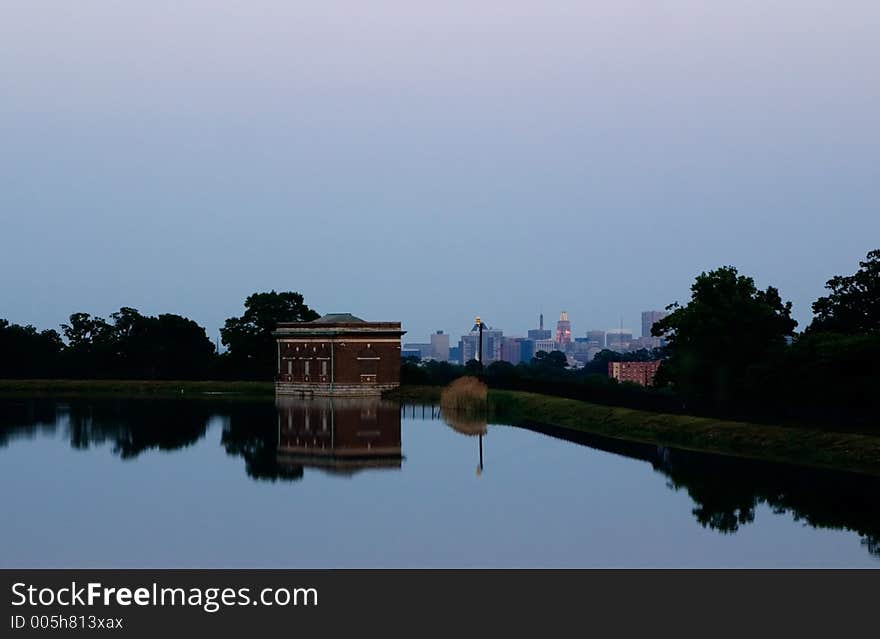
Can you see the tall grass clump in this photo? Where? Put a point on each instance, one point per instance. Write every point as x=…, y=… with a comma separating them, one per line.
x=466, y=394
x=464, y=406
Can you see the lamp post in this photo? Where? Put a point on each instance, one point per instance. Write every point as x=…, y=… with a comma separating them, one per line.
x=480, y=343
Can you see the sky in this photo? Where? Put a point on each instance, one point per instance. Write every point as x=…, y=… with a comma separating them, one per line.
x=428, y=162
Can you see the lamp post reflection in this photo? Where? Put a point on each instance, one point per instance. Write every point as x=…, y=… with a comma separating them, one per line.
x=467, y=423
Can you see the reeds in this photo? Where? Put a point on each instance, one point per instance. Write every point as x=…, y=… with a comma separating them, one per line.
x=464, y=405
x=465, y=393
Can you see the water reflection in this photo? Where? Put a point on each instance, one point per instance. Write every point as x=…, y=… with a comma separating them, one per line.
x=727, y=490
x=338, y=435
x=467, y=423
x=278, y=441
x=129, y=426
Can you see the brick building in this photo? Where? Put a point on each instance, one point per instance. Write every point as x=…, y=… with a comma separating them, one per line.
x=338, y=354
x=637, y=372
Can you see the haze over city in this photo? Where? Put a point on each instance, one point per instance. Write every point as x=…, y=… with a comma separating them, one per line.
x=430, y=163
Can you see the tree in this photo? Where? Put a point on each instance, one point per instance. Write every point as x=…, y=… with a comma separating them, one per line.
x=26, y=352
x=249, y=337
x=90, y=346
x=500, y=373
x=599, y=364
x=86, y=332
x=137, y=346
x=165, y=347
x=473, y=367
x=727, y=326
x=554, y=360
x=853, y=305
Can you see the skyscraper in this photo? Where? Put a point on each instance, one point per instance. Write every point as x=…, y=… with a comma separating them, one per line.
x=539, y=333
x=440, y=346
x=563, y=331
x=618, y=339
x=597, y=337
x=649, y=318
x=468, y=345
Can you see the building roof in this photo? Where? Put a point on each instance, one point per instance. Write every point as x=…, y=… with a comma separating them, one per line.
x=338, y=318
x=338, y=324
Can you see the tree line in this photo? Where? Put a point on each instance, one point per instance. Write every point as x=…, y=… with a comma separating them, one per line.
x=731, y=349
x=130, y=345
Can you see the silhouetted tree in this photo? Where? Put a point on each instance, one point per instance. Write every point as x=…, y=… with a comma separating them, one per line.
x=165, y=347
x=853, y=305
x=728, y=326
x=473, y=367
x=251, y=432
x=249, y=337
x=90, y=347
x=28, y=353
x=599, y=364
x=501, y=373
x=552, y=360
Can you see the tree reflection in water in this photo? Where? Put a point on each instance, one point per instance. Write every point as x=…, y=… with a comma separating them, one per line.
x=130, y=426
x=275, y=441
x=278, y=441
x=727, y=490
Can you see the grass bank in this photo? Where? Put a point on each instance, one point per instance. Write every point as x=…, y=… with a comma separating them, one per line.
x=792, y=444
x=93, y=387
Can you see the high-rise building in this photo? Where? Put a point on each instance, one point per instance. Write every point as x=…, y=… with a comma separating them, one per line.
x=649, y=318
x=546, y=345
x=539, y=333
x=468, y=345
x=492, y=344
x=648, y=342
x=424, y=349
x=440, y=346
x=512, y=349
x=563, y=331
x=528, y=350
x=597, y=338
x=618, y=339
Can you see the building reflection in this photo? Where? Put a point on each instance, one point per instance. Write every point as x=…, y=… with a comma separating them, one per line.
x=342, y=435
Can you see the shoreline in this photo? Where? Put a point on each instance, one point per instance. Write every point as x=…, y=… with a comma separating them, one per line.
x=132, y=388
x=809, y=446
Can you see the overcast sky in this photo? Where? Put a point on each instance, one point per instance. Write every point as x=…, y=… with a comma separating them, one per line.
x=429, y=161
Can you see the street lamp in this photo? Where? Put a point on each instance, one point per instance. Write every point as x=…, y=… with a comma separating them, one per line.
x=480, y=343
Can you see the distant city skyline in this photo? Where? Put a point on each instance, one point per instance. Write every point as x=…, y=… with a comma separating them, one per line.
x=514, y=348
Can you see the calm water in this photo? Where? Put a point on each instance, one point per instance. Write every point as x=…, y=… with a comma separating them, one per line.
x=200, y=483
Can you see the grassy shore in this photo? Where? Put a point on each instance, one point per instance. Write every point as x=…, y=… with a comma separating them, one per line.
x=829, y=449
x=93, y=387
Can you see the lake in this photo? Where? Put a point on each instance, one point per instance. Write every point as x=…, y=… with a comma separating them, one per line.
x=230, y=482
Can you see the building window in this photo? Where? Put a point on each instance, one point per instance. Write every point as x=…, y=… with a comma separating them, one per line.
x=324, y=368
x=368, y=363
x=307, y=368
x=290, y=367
